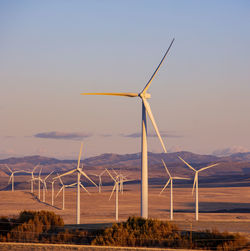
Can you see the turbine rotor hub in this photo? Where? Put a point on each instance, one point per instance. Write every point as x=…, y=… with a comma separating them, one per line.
x=144, y=95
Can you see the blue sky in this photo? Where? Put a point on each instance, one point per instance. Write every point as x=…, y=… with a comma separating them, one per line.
x=51, y=51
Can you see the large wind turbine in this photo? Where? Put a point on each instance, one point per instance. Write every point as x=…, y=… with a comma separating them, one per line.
x=171, y=178
x=79, y=173
x=196, y=184
x=144, y=152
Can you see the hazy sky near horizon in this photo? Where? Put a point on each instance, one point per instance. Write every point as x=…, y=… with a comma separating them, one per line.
x=51, y=51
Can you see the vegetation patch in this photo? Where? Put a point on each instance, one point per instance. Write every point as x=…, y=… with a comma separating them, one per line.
x=47, y=227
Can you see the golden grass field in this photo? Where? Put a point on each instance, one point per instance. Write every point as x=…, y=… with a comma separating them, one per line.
x=96, y=208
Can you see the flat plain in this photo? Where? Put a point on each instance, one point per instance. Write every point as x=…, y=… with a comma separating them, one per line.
x=223, y=208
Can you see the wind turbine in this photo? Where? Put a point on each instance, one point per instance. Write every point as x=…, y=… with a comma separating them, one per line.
x=63, y=191
x=39, y=180
x=144, y=152
x=12, y=176
x=79, y=173
x=44, y=184
x=116, y=189
x=100, y=180
x=196, y=184
x=32, y=178
x=171, y=178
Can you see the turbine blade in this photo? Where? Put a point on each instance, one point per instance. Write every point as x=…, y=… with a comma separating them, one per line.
x=125, y=94
x=113, y=191
x=84, y=188
x=186, y=163
x=152, y=77
x=8, y=167
x=48, y=175
x=166, y=168
x=150, y=114
x=165, y=185
x=10, y=178
x=79, y=156
x=86, y=176
x=180, y=178
x=195, y=180
x=67, y=173
x=40, y=171
x=59, y=191
x=208, y=167
x=35, y=167
x=71, y=185
x=110, y=175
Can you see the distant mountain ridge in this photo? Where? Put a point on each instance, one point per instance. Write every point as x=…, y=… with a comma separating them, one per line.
x=130, y=160
x=233, y=170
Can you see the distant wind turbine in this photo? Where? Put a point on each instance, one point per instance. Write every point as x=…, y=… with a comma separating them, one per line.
x=144, y=152
x=171, y=178
x=12, y=176
x=43, y=181
x=62, y=189
x=79, y=173
x=32, y=178
x=196, y=184
x=100, y=180
x=116, y=189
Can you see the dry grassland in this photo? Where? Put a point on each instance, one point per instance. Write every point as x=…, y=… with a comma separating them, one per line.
x=96, y=208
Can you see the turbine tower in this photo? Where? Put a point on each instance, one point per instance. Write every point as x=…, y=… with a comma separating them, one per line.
x=144, y=151
x=171, y=178
x=196, y=185
x=79, y=173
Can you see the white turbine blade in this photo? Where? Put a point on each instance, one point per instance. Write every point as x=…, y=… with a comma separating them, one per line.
x=113, y=191
x=180, y=178
x=8, y=167
x=125, y=94
x=40, y=171
x=110, y=175
x=48, y=175
x=115, y=172
x=186, y=163
x=10, y=178
x=204, y=168
x=59, y=191
x=67, y=173
x=35, y=168
x=102, y=173
x=166, y=167
x=165, y=185
x=86, y=176
x=84, y=188
x=152, y=77
x=79, y=156
x=195, y=180
x=71, y=185
x=150, y=114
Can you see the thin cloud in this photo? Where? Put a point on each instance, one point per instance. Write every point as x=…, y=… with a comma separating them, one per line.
x=62, y=135
x=230, y=150
x=152, y=135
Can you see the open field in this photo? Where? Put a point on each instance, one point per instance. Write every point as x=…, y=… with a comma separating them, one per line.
x=222, y=208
